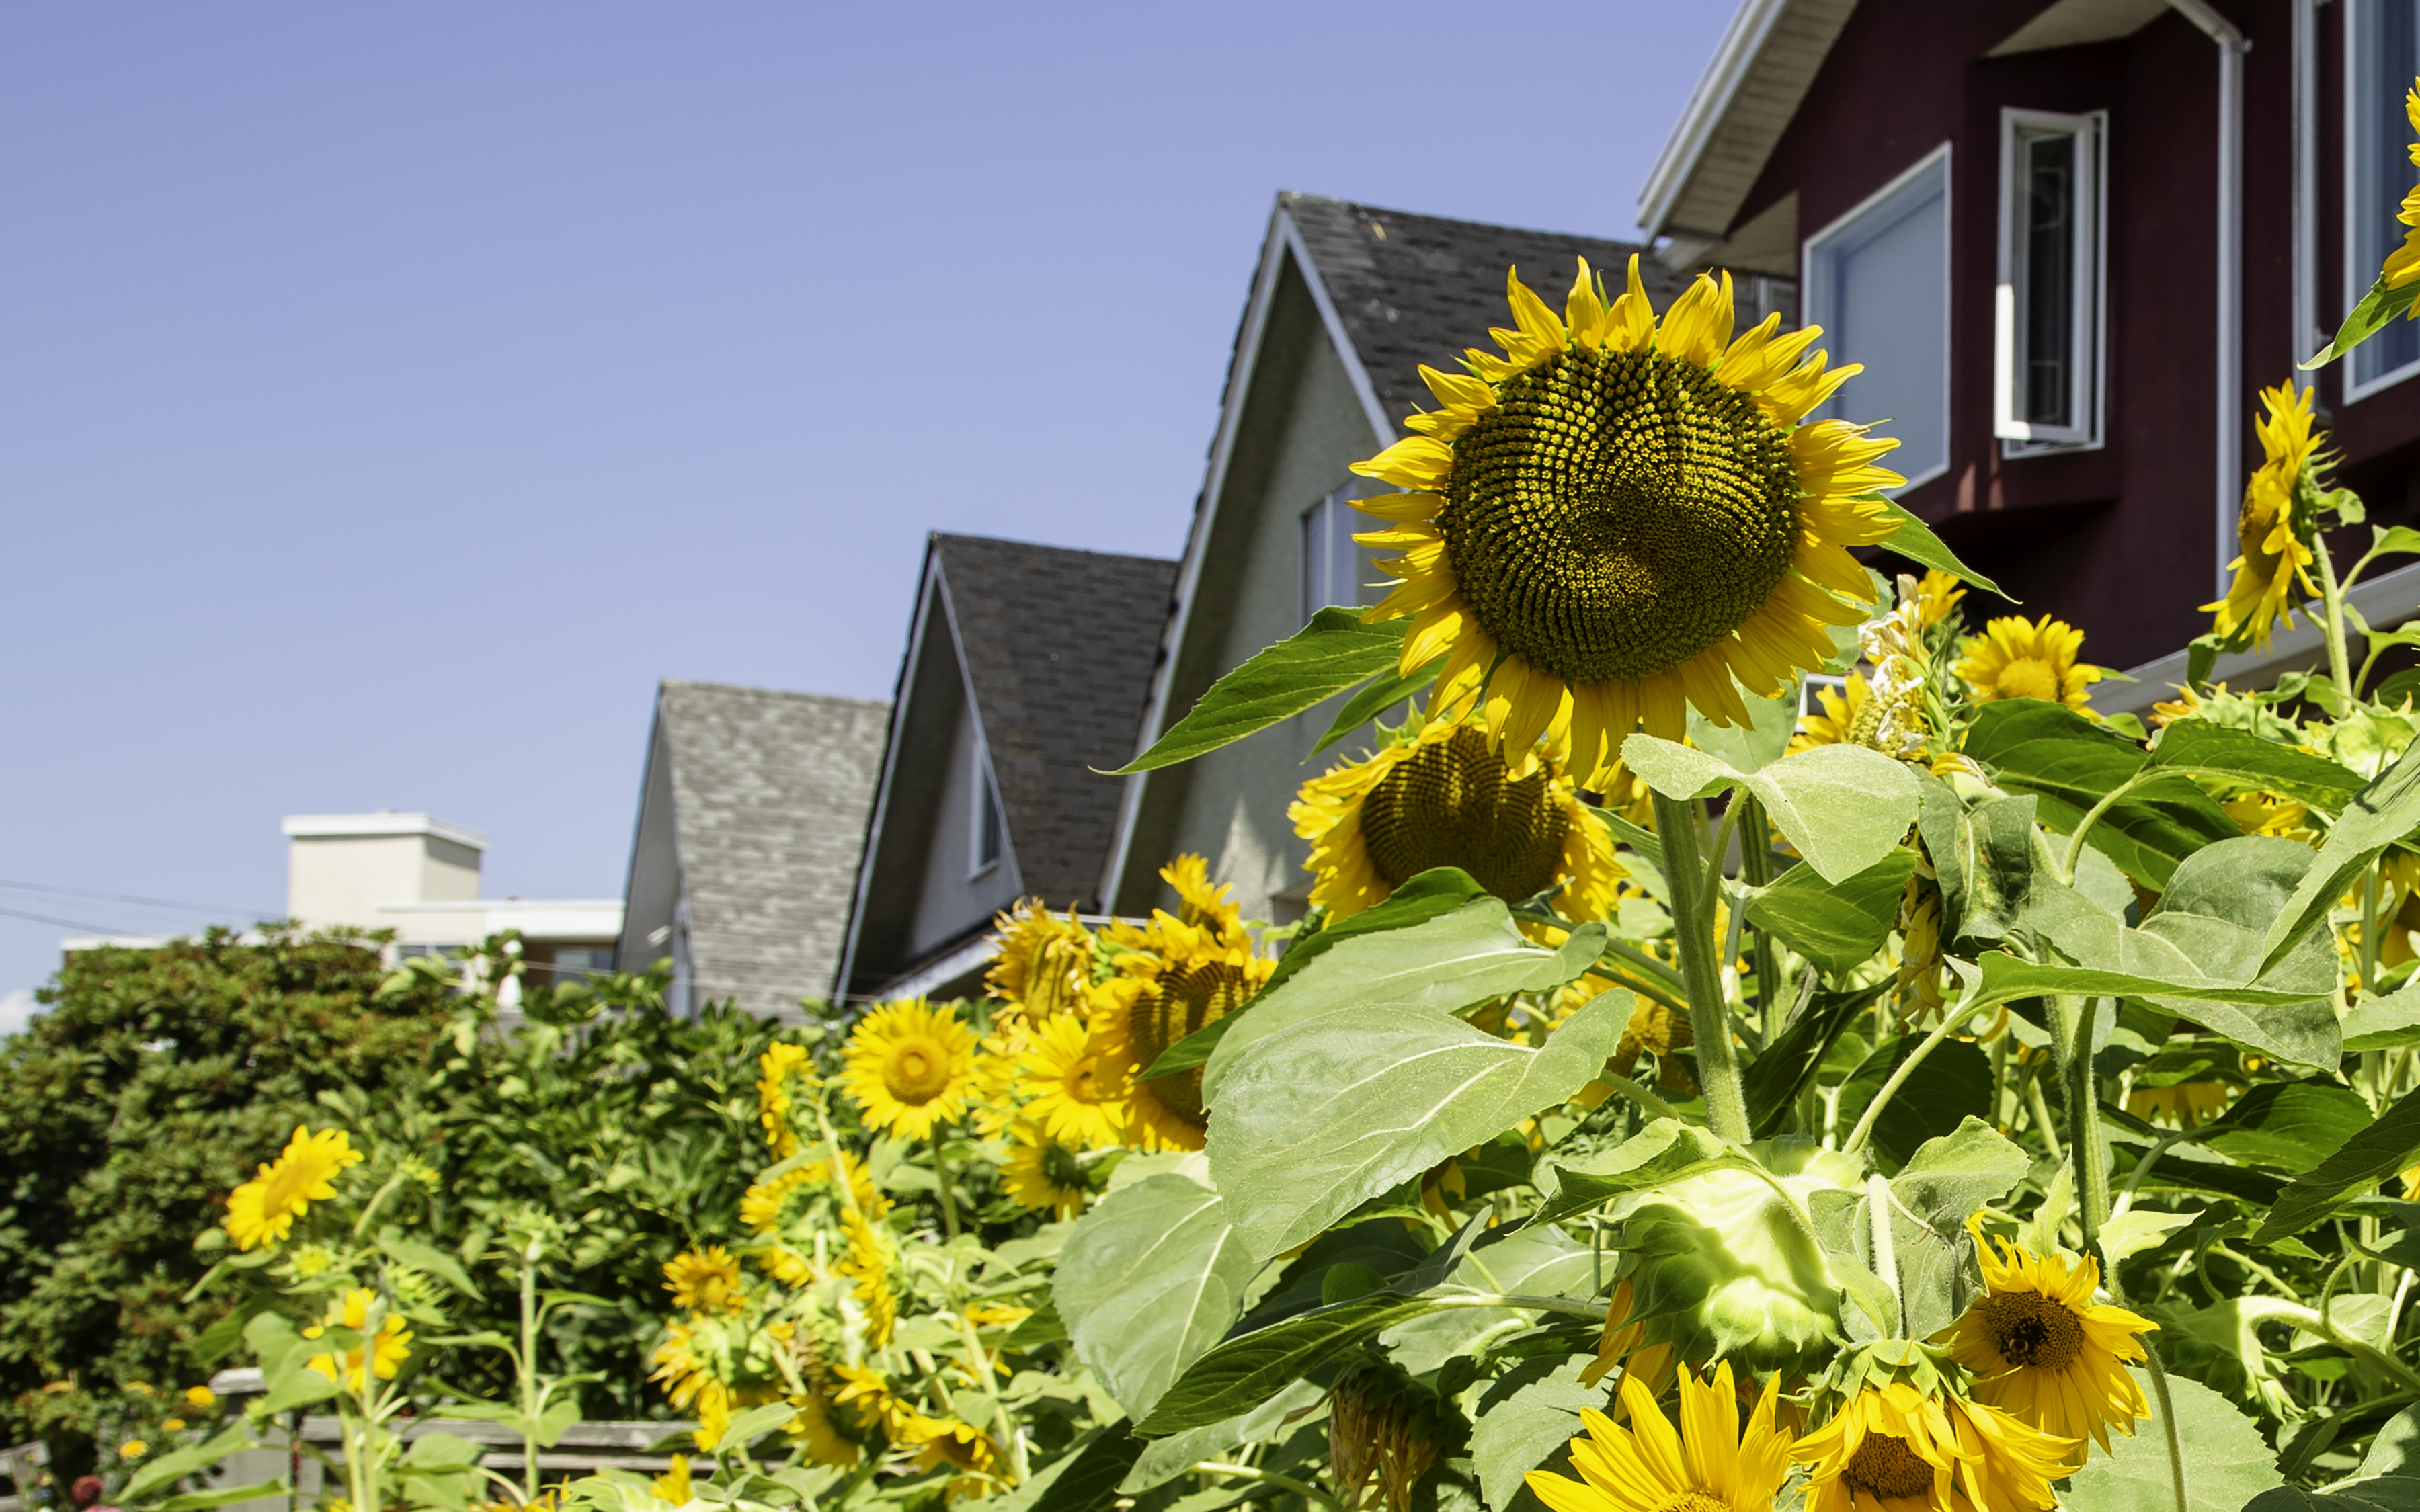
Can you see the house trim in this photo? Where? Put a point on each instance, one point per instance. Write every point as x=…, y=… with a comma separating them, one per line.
x=2355, y=285
x=925, y=599
x=1284, y=242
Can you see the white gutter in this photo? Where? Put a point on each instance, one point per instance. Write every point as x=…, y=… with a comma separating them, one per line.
x=2308, y=335
x=2229, y=328
x=1741, y=43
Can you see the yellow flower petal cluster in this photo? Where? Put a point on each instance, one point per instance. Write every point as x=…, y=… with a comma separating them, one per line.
x=1199, y=901
x=1173, y=977
x=705, y=1281
x=2403, y=263
x=1043, y=1171
x=2044, y=1350
x=781, y=1061
x=1044, y=962
x=2180, y=1104
x=1449, y=796
x=910, y=1066
x=2269, y=528
x=2017, y=658
x=1075, y=1089
x=1618, y=518
x=386, y=1350
x=1891, y=1447
x=262, y=1210
x=1708, y=1465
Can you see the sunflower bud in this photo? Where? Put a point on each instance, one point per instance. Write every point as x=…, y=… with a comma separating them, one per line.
x=1383, y=1432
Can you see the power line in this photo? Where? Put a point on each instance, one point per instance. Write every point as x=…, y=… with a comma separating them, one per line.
x=62, y=923
x=128, y=897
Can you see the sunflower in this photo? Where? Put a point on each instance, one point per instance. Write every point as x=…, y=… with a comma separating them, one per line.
x=867, y=1263
x=1901, y=1449
x=910, y=1066
x=867, y=1393
x=2014, y=660
x=1937, y=595
x=1198, y=902
x=1450, y=797
x=2269, y=529
x=2043, y=1350
x=2182, y=1103
x=1078, y=1089
x=673, y=1485
x=816, y=1425
x=804, y=1199
x=263, y=1209
x=387, y=1348
x=962, y=1446
x=1043, y=1171
x=1918, y=987
x=1044, y=962
x=1655, y=1029
x=1176, y=978
x=780, y=1062
x=1614, y=520
x=1622, y=1344
x=705, y=1281
x=1709, y=1466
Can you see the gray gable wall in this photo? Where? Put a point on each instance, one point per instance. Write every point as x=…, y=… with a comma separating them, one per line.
x=748, y=834
x=1349, y=301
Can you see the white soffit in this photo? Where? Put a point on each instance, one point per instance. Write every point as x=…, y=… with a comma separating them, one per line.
x=2076, y=23
x=1745, y=100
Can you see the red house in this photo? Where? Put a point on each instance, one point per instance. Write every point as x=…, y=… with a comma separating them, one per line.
x=2071, y=241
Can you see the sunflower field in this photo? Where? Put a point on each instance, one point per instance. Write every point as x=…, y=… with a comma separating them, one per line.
x=1757, y=1038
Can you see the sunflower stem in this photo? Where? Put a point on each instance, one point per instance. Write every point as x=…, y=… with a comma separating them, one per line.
x=1692, y=918
x=2331, y=625
x=2073, y=1018
x=1755, y=870
x=941, y=1179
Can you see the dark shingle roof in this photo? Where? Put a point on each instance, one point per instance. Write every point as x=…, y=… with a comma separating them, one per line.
x=769, y=793
x=1419, y=288
x=1058, y=647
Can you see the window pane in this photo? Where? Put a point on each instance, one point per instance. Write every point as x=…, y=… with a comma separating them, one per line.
x=1333, y=568
x=2386, y=48
x=2047, y=284
x=1879, y=288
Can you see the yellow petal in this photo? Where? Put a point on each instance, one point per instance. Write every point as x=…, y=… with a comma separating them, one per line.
x=1698, y=325
x=1414, y=462
x=1457, y=388
x=1583, y=311
x=1401, y=507
x=1791, y=399
x=1630, y=325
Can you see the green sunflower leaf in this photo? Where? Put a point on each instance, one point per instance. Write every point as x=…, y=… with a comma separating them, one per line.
x=2370, y=316
x=2377, y=1493
x=2383, y=812
x=2375, y=1152
x=1917, y=541
x=2047, y=749
x=1838, y=926
x=1325, y=1114
x=1780, y=1072
x=1333, y=653
x=1148, y=1280
x=1084, y=1479
x=1389, y=689
x=1844, y=807
x=1241, y=1373
x=1526, y=1421
x=1663, y=1151
x=2205, y=1457
x=168, y=1469
x=2387, y=1023
x=2205, y=750
x=1431, y=968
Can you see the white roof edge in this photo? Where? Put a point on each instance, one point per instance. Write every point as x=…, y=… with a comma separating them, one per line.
x=350, y=825
x=510, y=905
x=1733, y=54
x=2386, y=599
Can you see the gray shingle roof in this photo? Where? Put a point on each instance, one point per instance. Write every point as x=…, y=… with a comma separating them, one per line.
x=770, y=793
x=1420, y=288
x=1058, y=647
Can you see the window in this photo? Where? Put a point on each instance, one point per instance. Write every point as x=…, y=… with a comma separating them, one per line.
x=1331, y=561
x=579, y=963
x=2381, y=55
x=2048, y=310
x=1878, y=283
x=983, y=843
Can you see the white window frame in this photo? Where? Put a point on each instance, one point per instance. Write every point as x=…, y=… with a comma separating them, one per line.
x=2087, y=387
x=2361, y=267
x=1812, y=284
x=1320, y=536
x=984, y=820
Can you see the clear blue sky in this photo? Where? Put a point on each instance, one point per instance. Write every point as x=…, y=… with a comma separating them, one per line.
x=391, y=394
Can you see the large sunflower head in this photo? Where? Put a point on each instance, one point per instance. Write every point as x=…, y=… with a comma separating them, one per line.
x=1045, y=961
x=2043, y=1350
x=1617, y=520
x=262, y=1210
x=1894, y=1447
x=1450, y=797
x=2018, y=658
x=910, y=1066
x=1077, y=1086
x=1184, y=980
x=1710, y=1465
x=785, y=1211
x=2275, y=523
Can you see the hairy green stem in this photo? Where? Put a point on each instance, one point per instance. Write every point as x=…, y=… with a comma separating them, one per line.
x=2332, y=622
x=1930, y=1042
x=941, y=1179
x=1268, y=1477
x=1655, y=1106
x=2092, y=816
x=1755, y=870
x=1692, y=918
x=2043, y=1123
x=2072, y=1021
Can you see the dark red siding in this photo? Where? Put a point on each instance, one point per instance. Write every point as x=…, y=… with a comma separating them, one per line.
x=2120, y=540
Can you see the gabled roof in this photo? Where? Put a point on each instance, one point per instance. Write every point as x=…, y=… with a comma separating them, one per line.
x=1048, y=651
x=1057, y=646
x=1761, y=71
x=767, y=794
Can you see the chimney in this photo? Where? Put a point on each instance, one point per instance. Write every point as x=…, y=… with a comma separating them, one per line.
x=341, y=868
